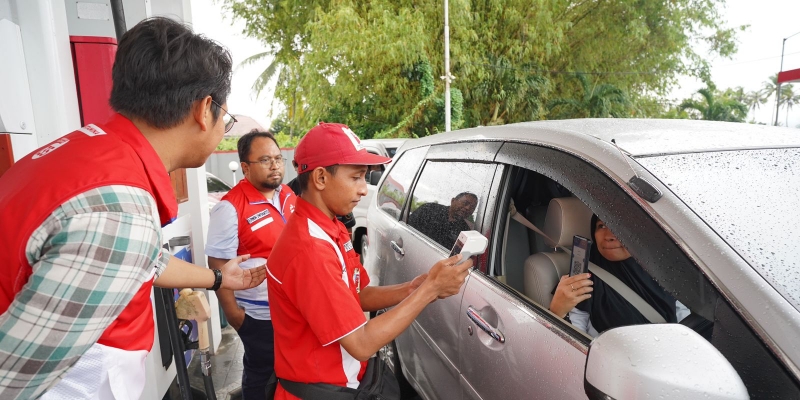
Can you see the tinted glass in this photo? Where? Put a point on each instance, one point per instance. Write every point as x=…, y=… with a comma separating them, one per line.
x=447, y=198
x=751, y=199
x=394, y=191
x=215, y=185
x=391, y=151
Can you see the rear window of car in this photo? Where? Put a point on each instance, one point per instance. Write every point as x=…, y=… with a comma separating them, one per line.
x=394, y=191
x=751, y=198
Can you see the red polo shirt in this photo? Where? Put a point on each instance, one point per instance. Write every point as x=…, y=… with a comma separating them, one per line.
x=314, y=281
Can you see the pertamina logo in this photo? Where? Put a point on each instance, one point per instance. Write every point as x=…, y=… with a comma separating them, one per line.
x=51, y=148
x=353, y=138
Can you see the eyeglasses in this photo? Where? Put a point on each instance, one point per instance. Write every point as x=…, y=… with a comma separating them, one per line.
x=227, y=119
x=268, y=162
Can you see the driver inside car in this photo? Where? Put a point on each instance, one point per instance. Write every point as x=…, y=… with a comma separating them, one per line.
x=593, y=306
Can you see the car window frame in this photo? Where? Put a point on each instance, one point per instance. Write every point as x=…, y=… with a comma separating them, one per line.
x=387, y=173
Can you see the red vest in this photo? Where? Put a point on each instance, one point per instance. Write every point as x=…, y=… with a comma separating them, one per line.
x=114, y=153
x=260, y=223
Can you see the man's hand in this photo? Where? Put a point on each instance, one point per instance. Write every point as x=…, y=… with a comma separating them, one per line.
x=236, y=318
x=571, y=290
x=236, y=278
x=446, y=278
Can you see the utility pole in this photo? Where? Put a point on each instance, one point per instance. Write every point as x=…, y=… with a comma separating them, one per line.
x=778, y=88
x=447, y=77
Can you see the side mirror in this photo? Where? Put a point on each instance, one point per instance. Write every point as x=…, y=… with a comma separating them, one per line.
x=375, y=177
x=663, y=361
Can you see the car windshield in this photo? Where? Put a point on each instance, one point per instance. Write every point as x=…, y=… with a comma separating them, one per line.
x=751, y=198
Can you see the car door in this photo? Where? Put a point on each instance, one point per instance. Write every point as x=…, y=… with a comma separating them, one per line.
x=449, y=196
x=541, y=356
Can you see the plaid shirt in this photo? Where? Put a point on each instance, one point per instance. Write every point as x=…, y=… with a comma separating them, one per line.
x=89, y=258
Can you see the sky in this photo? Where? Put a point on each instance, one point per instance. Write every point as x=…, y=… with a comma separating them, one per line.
x=759, y=55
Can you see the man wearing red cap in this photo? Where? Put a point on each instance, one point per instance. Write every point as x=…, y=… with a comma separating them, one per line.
x=318, y=288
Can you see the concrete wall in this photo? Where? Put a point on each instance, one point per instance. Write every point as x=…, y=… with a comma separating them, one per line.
x=217, y=164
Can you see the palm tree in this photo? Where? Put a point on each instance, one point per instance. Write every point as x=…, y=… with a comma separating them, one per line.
x=771, y=86
x=714, y=107
x=789, y=100
x=597, y=101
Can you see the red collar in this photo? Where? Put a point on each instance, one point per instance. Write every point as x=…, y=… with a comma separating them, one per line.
x=157, y=174
x=332, y=227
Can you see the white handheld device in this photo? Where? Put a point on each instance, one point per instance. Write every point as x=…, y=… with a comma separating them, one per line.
x=469, y=243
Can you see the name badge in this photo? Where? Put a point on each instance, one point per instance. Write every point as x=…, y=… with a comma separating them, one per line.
x=257, y=216
x=348, y=246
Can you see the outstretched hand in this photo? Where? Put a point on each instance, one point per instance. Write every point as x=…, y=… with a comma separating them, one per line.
x=235, y=277
x=447, y=277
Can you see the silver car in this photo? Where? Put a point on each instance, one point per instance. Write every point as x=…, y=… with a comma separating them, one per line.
x=710, y=210
x=381, y=147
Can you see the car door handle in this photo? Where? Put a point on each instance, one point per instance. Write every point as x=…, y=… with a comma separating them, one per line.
x=495, y=333
x=397, y=249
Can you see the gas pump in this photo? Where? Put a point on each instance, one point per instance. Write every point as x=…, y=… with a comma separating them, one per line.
x=56, y=77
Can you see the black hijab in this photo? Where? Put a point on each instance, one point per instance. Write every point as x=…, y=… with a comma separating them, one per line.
x=608, y=309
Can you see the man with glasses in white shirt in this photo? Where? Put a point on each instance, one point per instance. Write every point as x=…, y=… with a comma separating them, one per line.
x=248, y=220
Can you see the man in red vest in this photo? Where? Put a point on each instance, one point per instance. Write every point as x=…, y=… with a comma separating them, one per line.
x=248, y=220
x=80, y=239
x=317, y=286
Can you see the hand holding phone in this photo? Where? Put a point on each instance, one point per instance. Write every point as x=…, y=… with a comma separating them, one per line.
x=468, y=244
x=579, y=262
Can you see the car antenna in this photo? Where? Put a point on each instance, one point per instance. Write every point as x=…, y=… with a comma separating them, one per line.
x=643, y=188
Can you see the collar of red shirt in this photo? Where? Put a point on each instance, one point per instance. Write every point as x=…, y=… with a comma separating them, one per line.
x=154, y=167
x=332, y=227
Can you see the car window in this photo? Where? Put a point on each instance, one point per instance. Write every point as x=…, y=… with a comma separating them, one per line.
x=391, y=151
x=394, y=190
x=215, y=185
x=447, y=199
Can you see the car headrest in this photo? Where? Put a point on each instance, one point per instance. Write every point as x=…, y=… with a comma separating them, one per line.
x=566, y=217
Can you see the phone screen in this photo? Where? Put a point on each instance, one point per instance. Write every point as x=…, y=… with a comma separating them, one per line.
x=457, y=247
x=579, y=263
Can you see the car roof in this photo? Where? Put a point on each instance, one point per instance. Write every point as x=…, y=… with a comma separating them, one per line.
x=638, y=137
x=395, y=142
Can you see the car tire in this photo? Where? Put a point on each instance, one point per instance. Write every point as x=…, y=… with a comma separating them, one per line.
x=390, y=356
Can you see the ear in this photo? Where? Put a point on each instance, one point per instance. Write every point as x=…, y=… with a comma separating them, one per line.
x=318, y=176
x=245, y=167
x=201, y=111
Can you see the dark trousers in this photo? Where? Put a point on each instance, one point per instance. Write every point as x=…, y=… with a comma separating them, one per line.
x=259, y=356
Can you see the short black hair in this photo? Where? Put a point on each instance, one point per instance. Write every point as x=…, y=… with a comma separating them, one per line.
x=302, y=179
x=462, y=194
x=162, y=68
x=246, y=141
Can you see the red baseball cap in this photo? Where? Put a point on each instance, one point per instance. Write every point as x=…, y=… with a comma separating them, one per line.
x=330, y=144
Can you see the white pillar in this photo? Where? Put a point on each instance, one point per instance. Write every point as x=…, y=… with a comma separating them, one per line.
x=48, y=57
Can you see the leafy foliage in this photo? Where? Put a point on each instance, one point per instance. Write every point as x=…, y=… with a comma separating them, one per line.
x=715, y=106
x=362, y=62
x=597, y=101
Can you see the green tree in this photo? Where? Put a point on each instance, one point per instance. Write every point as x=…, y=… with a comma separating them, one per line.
x=715, y=106
x=594, y=101
x=353, y=60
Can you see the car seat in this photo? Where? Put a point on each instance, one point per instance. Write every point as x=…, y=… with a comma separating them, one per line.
x=566, y=217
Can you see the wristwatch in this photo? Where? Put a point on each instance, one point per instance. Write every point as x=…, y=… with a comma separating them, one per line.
x=217, y=280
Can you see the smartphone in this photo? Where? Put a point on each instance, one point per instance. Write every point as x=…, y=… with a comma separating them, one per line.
x=468, y=244
x=579, y=262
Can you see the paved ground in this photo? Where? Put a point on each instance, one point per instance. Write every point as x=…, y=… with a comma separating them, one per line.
x=226, y=367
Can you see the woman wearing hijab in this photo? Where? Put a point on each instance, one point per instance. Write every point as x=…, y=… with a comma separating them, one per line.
x=594, y=307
